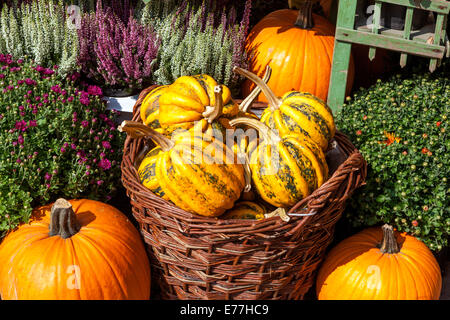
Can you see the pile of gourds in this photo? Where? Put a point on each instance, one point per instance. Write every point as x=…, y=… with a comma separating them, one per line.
x=196, y=165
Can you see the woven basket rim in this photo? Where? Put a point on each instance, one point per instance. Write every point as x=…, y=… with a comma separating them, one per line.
x=192, y=223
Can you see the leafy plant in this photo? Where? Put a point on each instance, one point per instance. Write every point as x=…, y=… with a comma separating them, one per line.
x=57, y=141
x=401, y=128
x=39, y=30
x=116, y=53
x=198, y=37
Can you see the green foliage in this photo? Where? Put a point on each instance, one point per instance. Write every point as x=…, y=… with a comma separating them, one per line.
x=407, y=184
x=40, y=31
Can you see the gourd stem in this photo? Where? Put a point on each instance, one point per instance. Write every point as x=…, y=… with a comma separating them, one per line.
x=247, y=102
x=305, y=18
x=274, y=101
x=267, y=134
x=213, y=112
x=63, y=220
x=388, y=243
x=138, y=130
x=247, y=173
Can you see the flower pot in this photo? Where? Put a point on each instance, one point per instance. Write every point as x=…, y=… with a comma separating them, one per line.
x=120, y=92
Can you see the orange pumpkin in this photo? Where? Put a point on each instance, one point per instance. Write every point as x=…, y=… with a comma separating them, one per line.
x=379, y=264
x=298, y=46
x=77, y=250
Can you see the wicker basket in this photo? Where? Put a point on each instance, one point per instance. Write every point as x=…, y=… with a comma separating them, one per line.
x=195, y=257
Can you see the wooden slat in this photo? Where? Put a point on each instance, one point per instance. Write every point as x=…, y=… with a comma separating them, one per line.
x=422, y=35
x=437, y=38
x=439, y=6
x=390, y=43
x=341, y=56
x=407, y=34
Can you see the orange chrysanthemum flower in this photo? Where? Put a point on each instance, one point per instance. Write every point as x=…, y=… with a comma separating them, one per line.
x=391, y=138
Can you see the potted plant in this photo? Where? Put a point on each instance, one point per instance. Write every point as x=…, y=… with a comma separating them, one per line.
x=58, y=140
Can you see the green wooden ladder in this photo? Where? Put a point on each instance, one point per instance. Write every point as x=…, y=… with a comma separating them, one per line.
x=430, y=41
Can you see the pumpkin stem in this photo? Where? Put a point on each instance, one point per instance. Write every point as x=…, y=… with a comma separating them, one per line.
x=274, y=101
x=388, y=243
x=247, y=102
x=305, y=18
x=267, y=134
x=213, y=112
x=63, y=220
x=138, y=130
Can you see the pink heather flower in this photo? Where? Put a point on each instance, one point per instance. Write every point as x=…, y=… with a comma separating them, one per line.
x=70, y=99
x=37, y=98
x=87, y=173
x=62, y=150
x=21, y=108
x=32, y=123
x=48, y=186
x=73, y=146
x=99, y=182
x=18, y=160
x=84, y=123
x=106, y=145
x=14, y=143
x=102, y=155
x=2, y=75
x=47, y=176
x=20, y=61
x=20, y=140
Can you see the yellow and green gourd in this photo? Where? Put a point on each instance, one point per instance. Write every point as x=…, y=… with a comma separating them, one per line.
x=297, y=112
x=284, y=168
x=189, y=174
x=245, y=210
